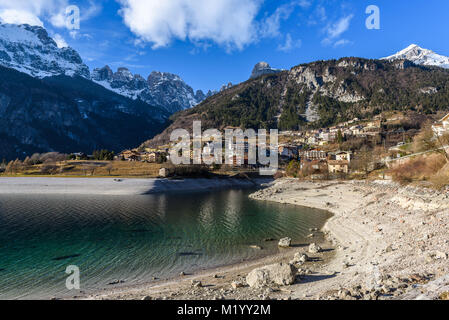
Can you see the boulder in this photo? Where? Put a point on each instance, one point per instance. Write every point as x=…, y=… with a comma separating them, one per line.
x=164, y=173
x=285, y=242
x=197, y=284
x=280, y=273
x=236, y=284
x=299, y=259
x=314, y=248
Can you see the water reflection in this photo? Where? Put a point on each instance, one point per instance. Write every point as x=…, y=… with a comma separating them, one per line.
x=134, y=237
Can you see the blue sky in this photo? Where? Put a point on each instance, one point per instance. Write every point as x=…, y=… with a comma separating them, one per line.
x=213, y=42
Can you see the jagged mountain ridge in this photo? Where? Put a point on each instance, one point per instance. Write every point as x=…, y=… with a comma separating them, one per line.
x=160, y=88
x=331, y=91
x=29, y=49
x=421, y=56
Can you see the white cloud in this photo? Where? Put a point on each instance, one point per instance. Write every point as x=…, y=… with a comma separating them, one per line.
x=342, y=42
x=19, y=17
x=305, y=3
x=232, y=24
x=289, y=44
x=30, y=11
x=60, y=42
x=272, y=25
x=229, y=23
x=58, y=20
x=34, y=12
x=335, y=30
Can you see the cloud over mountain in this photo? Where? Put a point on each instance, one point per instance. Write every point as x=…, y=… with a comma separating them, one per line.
x=35, y=12
x=30, y=11
x=229, y=23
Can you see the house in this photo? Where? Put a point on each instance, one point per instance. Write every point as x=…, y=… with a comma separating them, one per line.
x=313, y=155
x=357, y=130
x=338, y=162
x=442, y=127
x=130, y=155
x=80, y=156
x=338, y=166
x=288, y=152
x=328, y=136
x=373, y=125
x=341, y=156
x=151, y=157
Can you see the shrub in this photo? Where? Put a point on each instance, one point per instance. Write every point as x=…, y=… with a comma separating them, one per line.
x=419, y=168
x=293, y=169
x=278, y=175
x=188, y=170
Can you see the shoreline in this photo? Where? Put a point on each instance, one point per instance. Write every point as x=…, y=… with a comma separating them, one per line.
x=391, y=240
x=390, y=243
x=218, y=279
x=119, y=186
x=384, y=241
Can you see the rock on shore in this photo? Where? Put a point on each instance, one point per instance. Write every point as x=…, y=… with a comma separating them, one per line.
x=280, y=274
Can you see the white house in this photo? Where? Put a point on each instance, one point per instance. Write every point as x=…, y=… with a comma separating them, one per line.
x=442, y=127
x=341, y=156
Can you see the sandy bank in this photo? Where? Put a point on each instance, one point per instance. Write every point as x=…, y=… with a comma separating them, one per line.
x=392, y=241
x=110, y=186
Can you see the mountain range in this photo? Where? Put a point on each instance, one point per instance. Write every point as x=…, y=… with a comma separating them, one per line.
x=29, y=49
x=320, y=94
x=50, y=101
x=162, y=89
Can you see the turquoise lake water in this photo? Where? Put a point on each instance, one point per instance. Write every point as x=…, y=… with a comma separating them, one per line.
x=135, y=238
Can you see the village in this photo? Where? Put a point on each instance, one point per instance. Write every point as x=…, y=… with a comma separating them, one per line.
x=354, y=149
x=349, y=148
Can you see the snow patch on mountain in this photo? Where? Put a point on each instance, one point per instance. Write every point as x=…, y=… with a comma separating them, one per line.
x=29, y=49
x=162, y=89
x=420, y=56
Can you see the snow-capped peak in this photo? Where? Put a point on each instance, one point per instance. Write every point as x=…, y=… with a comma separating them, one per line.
x=421, y=56
x=162, y=89
x=29, y=49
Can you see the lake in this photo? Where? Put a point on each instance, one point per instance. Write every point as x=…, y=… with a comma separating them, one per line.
x=135, y=238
